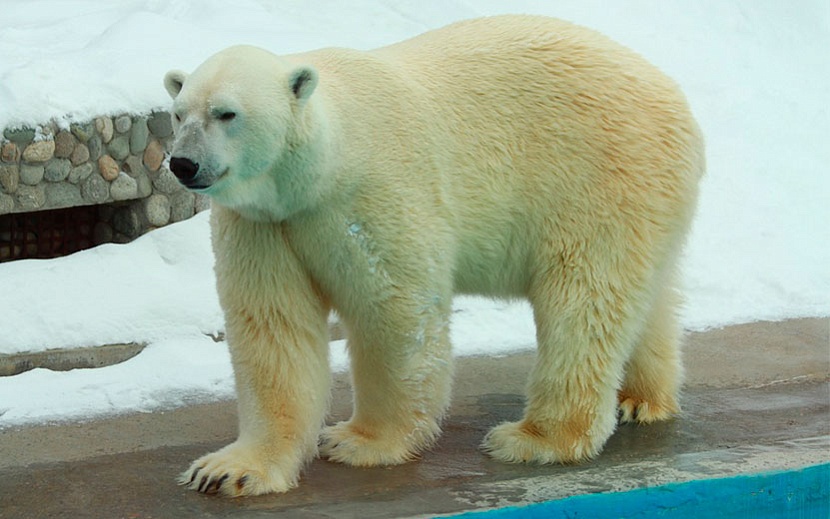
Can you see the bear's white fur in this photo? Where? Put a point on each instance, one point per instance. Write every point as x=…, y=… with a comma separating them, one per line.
x=512, y=156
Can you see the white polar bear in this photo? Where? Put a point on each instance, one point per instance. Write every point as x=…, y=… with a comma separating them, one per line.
x=512, y=156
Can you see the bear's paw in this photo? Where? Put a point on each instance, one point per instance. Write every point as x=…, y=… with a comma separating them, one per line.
x=634, y=409
x=521, y=442
x=238, y=470
x=362, y=447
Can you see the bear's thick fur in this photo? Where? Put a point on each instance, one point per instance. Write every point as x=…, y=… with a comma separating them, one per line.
x=511, y=156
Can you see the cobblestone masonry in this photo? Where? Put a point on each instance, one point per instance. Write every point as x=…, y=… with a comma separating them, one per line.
x=117, y=161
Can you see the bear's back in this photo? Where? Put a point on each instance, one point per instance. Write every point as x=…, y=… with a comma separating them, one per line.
x=563, y=105
x=535, y=87
x=502, y=123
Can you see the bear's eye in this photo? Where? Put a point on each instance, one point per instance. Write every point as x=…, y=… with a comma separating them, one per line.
x=227, y=116
x=178, y=118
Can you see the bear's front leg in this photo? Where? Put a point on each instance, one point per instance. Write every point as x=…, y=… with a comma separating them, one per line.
x=401, y=376
x=278, y=339
x=282, y=387
x=282, y=383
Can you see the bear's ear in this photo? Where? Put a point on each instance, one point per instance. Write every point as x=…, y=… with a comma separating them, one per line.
x=303, y=81
x=174, y=81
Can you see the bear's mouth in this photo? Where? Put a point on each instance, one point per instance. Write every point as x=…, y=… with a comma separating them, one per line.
x=196, y=186
x=201, y=187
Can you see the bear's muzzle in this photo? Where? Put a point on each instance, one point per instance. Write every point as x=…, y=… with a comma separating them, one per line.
x=185, y=170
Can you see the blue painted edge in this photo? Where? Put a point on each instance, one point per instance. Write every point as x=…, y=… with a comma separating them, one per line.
x=801, y=493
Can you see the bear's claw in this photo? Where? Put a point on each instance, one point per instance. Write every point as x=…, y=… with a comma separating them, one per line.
x=238, y=471
x=642, y=411
x=210, y=483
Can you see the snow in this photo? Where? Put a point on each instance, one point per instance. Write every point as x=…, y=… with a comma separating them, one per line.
x=756, y=74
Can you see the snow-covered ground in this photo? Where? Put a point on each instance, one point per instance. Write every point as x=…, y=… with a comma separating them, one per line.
x=756, y=73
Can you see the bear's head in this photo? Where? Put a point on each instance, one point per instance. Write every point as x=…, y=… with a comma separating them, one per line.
x=243, y=127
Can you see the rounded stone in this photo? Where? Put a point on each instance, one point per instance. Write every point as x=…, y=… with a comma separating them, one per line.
x=80, y=173
x=63, y=195
x=134, y=167
x=57, y=170
x=124, y=188
x=94, y=146
x=9, y=178
x=83, y=131
x=19, y=136
x=6, y=204
x=108, y=167
x=127, y=222
x=183, y=205
x=95, y=189
x=160, y=124
x=166, y=182
x=64, y=144
x=31, y=174
x=79, y=155
x=153, y=155
x=157, y=210
x=202, y=203
x=145, y=185
x=123, y=123
x=104, y=127
x=39, y=151
x=139, y=135
x=31, y=197
x=119, y=147
x=10, y=152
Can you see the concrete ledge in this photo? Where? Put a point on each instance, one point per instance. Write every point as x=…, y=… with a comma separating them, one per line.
x=66, y=359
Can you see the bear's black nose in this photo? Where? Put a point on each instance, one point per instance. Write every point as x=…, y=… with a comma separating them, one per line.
x=184, y=169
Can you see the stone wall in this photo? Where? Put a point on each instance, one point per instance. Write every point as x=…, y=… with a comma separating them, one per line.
x=113, y=161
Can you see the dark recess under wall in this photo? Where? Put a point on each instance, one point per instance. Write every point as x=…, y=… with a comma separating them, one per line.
x=47, y=234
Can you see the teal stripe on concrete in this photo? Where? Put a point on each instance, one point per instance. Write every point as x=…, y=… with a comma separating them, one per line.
x=802, y=494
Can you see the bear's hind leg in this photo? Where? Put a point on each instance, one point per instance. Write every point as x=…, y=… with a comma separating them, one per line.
x=585, y=326
x=654, y=372
x=401, y=380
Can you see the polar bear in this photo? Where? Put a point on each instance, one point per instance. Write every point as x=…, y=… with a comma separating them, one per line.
x=511, y=156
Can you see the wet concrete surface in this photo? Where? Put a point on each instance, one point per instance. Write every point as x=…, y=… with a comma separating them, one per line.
x=757, y=398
